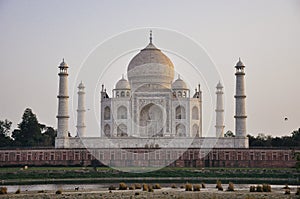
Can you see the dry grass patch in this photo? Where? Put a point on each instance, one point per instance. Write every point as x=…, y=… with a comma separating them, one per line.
x=145, y=187
x=3, y=190
x=122, y=186
x=188, y=187
x=230, y=187
x=219, y=185
x=196, y=187
x=137, y=186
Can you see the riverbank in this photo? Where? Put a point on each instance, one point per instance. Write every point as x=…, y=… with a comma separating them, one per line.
x=62, y=175
x=164, y=193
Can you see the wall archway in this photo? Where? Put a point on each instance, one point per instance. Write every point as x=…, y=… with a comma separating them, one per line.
x=195, y=113
x=122, y=130
x=151, y=120
x=180, y=130
x=107, y=132
x=180, y=112
x=106, y=113
x=122, y=112
x=195, y=131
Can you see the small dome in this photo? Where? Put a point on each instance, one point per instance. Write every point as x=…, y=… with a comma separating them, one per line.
x=179, y=84
x=240, y=63
x=63, y=64
x=81, y=86
x=122, y=84
x=219, y=85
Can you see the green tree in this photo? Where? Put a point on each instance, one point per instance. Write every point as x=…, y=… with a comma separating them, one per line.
x=268, y=141
x=5, y=139
x=296, y=137
x=229, y=134
x=29, y=132
x=49, y=136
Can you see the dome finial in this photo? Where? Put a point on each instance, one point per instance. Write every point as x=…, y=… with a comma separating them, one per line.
x=150, y=36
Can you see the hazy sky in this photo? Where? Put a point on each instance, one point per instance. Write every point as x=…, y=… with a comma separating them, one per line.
x=36, y=35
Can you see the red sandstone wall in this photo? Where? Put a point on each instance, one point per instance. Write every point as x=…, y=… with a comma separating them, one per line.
x=132, y=157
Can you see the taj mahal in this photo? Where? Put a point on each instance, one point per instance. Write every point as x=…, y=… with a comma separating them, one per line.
x=151, y=108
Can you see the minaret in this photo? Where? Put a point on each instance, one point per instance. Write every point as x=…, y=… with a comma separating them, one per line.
x=219, y=112
x=240, y=101
x=63, y=102
x=81, y=111
x=200, y=111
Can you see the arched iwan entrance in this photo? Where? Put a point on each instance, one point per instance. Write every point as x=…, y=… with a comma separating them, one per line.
x=151, y=121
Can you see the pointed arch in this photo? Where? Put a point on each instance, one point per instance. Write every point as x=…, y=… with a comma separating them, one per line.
x=179, y=94
x=122, y=130
x=180, y=112
x=151, y=120
x=122, y=93
x=107, y=113
x=122, y=112
x=107, y=130
x=195, y=113
x=195, y=131
x=180, y=130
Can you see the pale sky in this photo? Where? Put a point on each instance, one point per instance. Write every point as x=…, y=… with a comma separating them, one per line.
x=36, y=35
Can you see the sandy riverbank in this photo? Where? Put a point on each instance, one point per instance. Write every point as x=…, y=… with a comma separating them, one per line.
x=165, y=193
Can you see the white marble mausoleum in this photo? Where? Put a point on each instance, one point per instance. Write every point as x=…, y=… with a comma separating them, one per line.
x=151, y=108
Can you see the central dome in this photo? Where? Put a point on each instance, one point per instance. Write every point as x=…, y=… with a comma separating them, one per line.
x=150, y=66
x=150, y=54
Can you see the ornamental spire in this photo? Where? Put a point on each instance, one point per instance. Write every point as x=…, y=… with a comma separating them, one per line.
x=150, y=37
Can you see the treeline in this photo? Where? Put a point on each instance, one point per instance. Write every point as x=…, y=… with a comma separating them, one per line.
x=268, y=141
x=30, y=133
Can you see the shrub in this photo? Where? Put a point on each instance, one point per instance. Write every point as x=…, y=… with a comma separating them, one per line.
x=145, y=187
x=136, y=193
x=58, y=191
x=156, y=186
x=150, y=188
x=188, y=187
x=111, y=187
x=266, y=188
x=252, y=188
x=182, y=186
x=122, y=186
x=298, y=192
x=41, y=191
x=132, y=187
x=3, y=190
x=287, y=192
x=230, y=187
x=219, y=185
x=196, y=187
x=137, y=186
x=259, y=188
x=18, y=191
x=173, y=186
x=286, y=186
x=203, y=185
